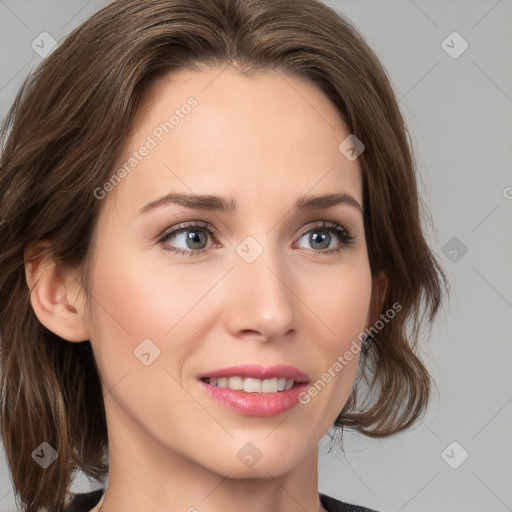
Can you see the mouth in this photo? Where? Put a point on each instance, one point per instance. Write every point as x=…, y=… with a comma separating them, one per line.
x=255, y=390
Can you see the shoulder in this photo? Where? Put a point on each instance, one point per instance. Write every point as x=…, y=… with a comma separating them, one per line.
x=85, y=501
x=333, y=505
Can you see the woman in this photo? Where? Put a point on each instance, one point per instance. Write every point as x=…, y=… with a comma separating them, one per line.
x=211, y=241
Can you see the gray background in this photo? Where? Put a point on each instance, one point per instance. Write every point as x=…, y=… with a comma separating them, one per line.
x=459, y=113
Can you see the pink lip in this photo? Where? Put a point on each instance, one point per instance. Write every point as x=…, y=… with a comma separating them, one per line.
x=259, y=372
x=257, y=404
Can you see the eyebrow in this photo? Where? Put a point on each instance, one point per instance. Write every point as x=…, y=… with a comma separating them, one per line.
x=220, y=204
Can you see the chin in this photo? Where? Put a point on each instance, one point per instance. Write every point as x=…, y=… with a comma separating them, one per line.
x=258, y=459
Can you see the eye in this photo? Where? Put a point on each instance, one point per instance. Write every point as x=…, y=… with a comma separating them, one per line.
x=325, y=236
x=193, y=235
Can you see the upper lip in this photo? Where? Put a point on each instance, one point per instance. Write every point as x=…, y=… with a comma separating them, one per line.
x=256, y=371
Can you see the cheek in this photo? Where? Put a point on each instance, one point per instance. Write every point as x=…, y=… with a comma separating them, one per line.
x=352, y=305
x=134, y=307
x=135, y=301
x=342, y=302
x=144, y=300
x=342, y=305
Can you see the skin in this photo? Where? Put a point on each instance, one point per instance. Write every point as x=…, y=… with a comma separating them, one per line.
x=264, y=140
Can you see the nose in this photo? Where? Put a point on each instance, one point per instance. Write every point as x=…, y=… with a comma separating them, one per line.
x=260, y=298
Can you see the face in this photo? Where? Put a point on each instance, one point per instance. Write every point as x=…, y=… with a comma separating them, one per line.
x=184, y=290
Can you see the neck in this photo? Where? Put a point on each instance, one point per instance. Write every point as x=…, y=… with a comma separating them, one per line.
x=150, y=477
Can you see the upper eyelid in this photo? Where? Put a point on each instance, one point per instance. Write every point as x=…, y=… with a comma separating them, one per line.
x=182, y=226
x=327, y=224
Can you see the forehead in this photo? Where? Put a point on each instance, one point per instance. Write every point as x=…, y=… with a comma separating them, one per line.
x=268, y=135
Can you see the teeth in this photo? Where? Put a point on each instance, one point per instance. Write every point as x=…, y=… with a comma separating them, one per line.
x=269, y=385
x=250, y=385
x=236, y=383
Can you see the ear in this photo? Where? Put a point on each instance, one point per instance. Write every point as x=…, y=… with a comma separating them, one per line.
x=55, y=294
x=379, y=289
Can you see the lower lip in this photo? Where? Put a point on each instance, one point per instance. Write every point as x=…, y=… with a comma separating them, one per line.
x=255, y=404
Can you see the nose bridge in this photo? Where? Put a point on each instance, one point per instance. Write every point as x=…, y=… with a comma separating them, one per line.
x=260, y=295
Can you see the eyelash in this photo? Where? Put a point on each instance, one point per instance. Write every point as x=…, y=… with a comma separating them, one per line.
x=346, y=238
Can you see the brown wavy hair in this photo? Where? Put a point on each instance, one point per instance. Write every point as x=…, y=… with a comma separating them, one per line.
x=59, y=142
